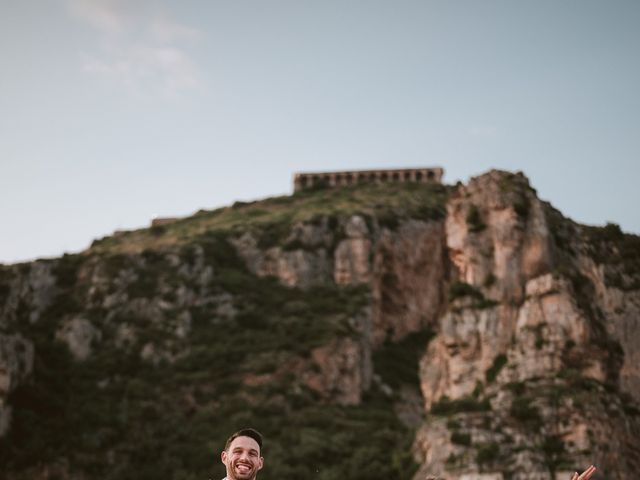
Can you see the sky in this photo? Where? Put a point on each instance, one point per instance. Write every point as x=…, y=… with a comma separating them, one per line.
x=113, y=112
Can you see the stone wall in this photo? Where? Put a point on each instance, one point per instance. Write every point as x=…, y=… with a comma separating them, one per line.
x=161, y=221
x=302, y=181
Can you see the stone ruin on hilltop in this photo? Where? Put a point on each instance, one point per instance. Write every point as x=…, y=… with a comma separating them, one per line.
x=307, y=180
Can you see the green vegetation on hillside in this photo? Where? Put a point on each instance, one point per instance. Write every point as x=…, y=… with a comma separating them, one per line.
x=397, y=362
x=271, y=219
x=619, y=251
x=116, y=415
x=474, y=220
x=170, y=420
x=517, y=190
x=462, y=289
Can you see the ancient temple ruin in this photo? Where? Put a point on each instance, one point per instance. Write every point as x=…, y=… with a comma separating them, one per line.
x=305, y=180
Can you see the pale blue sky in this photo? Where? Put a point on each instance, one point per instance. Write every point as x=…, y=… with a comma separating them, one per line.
x=112, y=112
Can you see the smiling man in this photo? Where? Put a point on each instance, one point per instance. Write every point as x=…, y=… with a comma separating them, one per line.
x=241, y=455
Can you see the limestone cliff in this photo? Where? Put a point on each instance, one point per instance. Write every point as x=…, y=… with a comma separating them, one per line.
x=473, y=322
x=530, y=373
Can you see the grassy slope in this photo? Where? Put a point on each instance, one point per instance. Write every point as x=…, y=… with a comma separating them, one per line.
x=388, y=203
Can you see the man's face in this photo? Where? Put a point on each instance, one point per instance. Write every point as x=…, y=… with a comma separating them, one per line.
x=242, y=459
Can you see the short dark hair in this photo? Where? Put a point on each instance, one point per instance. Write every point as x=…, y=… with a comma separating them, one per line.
x=245, y=432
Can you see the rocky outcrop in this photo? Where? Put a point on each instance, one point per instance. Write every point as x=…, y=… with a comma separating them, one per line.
x=521, y=340
x=31, y=288
x=299, y=267
x=541, y=348
x=352, y=262
x=79, y=335
x=468, y=342
x=342, y=371
x=409, y=282
x=304, y=258
x=621, y=308
x=537, y=338
x=497, y=235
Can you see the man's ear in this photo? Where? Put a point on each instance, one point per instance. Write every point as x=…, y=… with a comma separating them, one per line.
x=261, y=463
x=223, y=457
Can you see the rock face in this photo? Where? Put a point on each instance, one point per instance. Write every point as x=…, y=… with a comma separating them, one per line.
x=409, y=281
x=497, y=235
x=343, y=371
x=621, y=308
x=534, y=369
x=78, y=334
x=36, y=288
x=352, y=256
x=16, y=363
x=518, y=343
x=299, y=267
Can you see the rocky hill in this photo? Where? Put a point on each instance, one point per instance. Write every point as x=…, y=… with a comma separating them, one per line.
x=370, y=332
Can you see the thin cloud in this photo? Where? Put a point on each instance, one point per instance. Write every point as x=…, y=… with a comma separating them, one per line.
x=104, y=15
x=138, y=47
x=165, y=70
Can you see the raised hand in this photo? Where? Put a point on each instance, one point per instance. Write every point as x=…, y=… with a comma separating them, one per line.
x=586, y=475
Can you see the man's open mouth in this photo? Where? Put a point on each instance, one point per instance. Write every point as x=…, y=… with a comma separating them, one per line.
x=243, y=467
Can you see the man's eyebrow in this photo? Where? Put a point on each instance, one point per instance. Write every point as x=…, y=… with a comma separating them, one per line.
x=239, y=449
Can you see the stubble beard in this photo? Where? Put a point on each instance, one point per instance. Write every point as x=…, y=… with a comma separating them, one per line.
x=249, y=475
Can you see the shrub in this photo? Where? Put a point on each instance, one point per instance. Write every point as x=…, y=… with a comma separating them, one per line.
x=453, y=424
x=388, y=219
x=522, y=410
x=218, y=251
x=498, y=363
x=145, y=286
x=66, y=269
x=453, y=459
x=521, y=207
x=489, y=280
x=552, y=445
x=517, y=388
x=397, y=362
x=485, y=303
x=461, y=438
x=554, y=452
x=538, y=331
x=474, y=220
x=273, y=234
x=462, y=289
x=487, y=453
x=158, y=230
x=445, y=406
x=611, y=232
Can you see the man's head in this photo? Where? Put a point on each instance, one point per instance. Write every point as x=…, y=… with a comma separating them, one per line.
x=241, y=455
